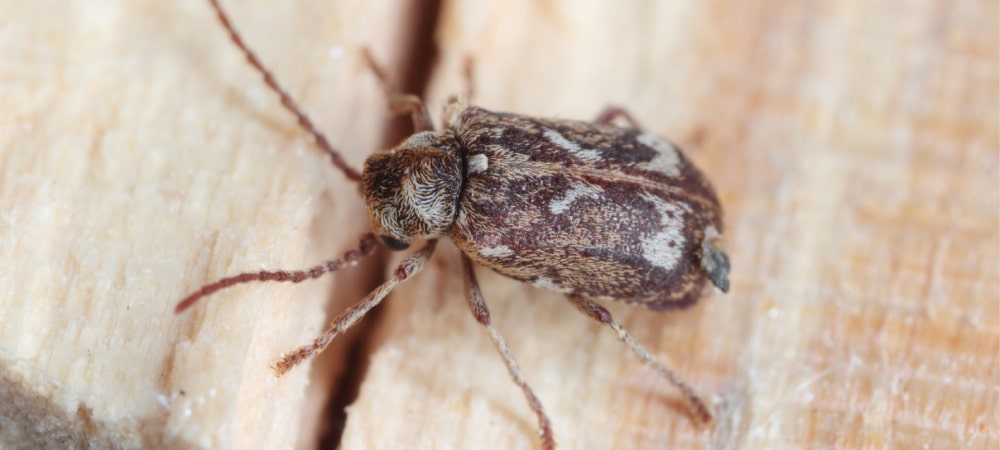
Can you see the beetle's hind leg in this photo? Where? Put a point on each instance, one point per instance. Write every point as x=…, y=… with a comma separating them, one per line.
x=612, y=113
x=600, y=314
x=409, y=267
x=482, y=314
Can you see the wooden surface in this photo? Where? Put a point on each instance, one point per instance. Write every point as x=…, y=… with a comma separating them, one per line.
x=854, y=146
x=141, y=158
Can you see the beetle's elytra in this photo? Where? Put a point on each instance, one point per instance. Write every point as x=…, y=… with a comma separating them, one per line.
x=593, y=210
x=583, y=208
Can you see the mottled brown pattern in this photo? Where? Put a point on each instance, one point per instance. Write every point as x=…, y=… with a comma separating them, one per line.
x=412, y=191
x=584, y=208
x=589, y=209
x=594, y=247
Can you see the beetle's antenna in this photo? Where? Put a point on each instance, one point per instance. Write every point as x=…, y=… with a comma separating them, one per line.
x=351, y=258
x=286, y=100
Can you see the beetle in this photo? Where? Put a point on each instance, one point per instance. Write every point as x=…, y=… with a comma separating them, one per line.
x=590, y=209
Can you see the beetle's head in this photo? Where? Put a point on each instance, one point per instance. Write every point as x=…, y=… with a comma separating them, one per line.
x=412, y=190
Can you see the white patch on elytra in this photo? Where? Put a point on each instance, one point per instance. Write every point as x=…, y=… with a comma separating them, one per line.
x=667, y=161
x=577, y=190
x=478, y=163
x=549, y=284
x=657, y=249
x=501, y=251
x=572, y=147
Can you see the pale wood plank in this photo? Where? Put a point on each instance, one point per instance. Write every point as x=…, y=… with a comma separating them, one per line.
x=855, y=147
x=141, y=158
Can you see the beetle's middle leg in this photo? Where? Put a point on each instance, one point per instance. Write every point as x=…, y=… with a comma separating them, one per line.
x=482, y=314
x=612, y=113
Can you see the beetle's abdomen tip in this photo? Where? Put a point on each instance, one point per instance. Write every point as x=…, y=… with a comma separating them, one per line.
x=714, y=260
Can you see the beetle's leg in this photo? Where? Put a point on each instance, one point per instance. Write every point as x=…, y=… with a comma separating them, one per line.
x=600, y=314
x=612, y=113
x=399, y=102
x=410, y=266
x=286, y=100
x=482, y=314
x=469, y=73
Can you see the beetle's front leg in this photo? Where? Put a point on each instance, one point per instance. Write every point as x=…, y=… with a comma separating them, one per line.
x=400, y=103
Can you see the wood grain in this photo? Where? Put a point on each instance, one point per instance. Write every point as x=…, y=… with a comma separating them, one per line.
x=142, y=157
x=855, y=147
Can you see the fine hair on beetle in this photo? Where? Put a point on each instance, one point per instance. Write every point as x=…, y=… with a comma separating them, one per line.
x=589, y=209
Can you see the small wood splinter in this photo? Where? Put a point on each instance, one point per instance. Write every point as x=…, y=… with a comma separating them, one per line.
x=588, y=209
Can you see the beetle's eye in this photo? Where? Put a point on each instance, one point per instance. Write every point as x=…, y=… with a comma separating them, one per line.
x=393, y=243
